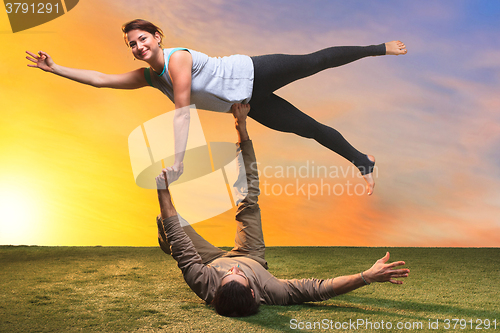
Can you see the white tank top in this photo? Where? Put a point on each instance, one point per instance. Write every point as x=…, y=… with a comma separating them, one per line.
x=216, y=83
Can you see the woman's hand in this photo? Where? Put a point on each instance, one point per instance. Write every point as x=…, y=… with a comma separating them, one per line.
x=382, y=272
x=42, y=61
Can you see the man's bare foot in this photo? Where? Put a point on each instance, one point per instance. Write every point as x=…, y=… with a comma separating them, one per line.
x=370, y=182
x=395, y=47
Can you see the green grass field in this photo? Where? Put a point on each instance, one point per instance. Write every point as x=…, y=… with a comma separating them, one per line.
x=113, y=289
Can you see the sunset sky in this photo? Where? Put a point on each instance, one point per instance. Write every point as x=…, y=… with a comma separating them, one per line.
x=431, y=118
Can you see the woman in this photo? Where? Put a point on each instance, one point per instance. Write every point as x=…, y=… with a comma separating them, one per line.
x=189, y=77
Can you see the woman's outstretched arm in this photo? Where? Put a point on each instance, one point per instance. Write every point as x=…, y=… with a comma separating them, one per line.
x=131, y=80
x=179, y=69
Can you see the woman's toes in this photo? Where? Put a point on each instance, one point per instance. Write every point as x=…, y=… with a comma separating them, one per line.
x=395, y=48
x=370, y=183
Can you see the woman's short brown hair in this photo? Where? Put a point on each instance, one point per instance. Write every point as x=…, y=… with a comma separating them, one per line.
x=140, y=24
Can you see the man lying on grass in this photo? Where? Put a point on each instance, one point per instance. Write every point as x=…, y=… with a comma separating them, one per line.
x=235, y=282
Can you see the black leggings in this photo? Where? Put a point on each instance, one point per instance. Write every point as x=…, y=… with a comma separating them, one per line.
x=274, y=71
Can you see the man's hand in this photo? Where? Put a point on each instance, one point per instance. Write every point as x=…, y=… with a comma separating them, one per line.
x=166, y=206
x=382, y=272
x=161, y=182
x=240, y=112
x=168, y=176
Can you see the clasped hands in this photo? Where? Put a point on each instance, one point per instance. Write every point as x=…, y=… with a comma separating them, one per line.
x=171, y=174
x=168, y=176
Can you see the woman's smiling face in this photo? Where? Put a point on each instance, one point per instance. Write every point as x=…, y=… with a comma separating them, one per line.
x=143, y=44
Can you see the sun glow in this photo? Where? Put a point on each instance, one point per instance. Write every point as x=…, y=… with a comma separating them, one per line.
x=15, y=224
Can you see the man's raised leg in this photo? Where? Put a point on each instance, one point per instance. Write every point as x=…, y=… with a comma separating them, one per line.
x=249, y=240
x=207, y=251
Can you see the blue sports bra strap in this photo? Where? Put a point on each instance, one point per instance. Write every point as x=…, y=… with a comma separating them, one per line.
x=147, y=75
x=169, y=55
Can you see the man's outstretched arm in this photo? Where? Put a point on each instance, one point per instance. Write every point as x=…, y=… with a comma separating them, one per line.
x=379, y=272
x=314, y=290
x=166, y=206
x=198, y=276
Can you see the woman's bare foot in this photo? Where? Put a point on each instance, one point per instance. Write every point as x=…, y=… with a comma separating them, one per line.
x=395, y=47
x=370, y=183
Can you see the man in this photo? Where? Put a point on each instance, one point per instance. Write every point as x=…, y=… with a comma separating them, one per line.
x=237, y=281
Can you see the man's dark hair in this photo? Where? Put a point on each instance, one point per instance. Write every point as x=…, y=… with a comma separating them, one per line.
x=235, y=300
